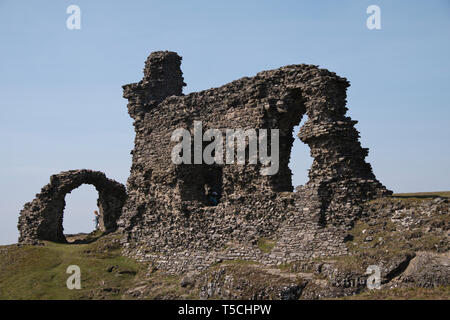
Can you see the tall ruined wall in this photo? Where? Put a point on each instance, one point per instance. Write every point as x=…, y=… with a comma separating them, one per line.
x=166, y=217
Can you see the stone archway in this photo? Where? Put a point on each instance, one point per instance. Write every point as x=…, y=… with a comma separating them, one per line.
x=42, y=218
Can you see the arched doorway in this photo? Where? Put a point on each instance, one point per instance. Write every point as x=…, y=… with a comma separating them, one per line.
x=42, y=218
x=78, y=217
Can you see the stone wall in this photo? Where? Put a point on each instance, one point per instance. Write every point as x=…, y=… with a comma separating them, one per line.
x=42, y=218
x=166, y=217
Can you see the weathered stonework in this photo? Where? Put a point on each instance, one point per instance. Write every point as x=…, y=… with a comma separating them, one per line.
x=42, y=218
x=166, y=218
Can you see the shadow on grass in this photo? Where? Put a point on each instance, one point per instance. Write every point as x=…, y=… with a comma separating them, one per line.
x=428, y=196
x=84, y=238
x=422, y=195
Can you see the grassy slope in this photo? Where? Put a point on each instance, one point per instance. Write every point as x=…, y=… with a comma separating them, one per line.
x=32, y=272
x=441, y=293
x=395, y=245
x=423, y=195
x=39, y=272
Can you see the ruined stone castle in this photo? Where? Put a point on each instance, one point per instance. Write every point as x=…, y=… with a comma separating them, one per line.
x=164, y=215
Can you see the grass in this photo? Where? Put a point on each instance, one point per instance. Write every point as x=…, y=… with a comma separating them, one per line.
x=285, y=267
x=239, y=279
x=39, y=272
x=423, y=195
x=415, y=196
x=265, y=245
x=164, y=286
x=440, y=293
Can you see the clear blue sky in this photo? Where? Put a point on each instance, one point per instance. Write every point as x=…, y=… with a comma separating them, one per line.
x=61, y=104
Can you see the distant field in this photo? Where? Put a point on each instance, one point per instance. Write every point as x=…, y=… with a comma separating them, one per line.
x=444, y=194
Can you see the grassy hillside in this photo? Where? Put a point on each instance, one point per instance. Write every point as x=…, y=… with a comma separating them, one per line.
x=39, y=272
x=423, y=195
x=440, y=293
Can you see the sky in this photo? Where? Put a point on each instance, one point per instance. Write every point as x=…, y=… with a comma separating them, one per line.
x=61, y=104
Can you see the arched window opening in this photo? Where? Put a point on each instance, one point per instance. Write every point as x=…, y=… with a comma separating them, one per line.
x=300, y=161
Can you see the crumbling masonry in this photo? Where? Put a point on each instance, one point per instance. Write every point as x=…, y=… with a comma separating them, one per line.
x=42, y=218
x=166, y=218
